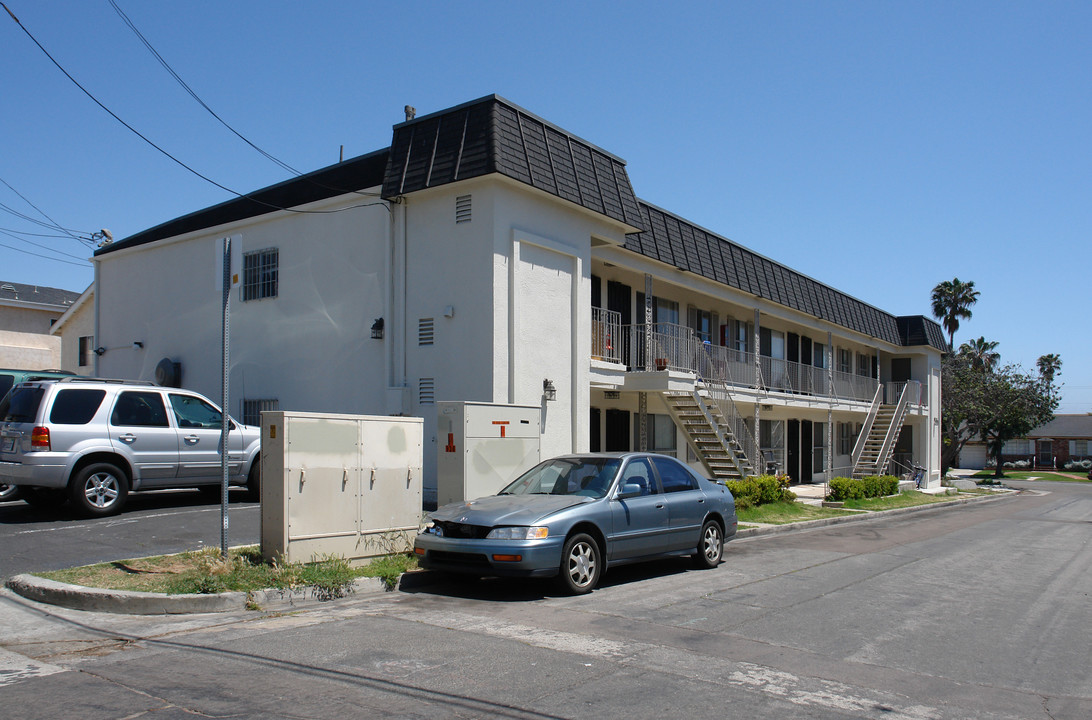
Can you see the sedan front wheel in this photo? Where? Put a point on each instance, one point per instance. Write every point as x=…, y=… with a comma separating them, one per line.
x=580, y=564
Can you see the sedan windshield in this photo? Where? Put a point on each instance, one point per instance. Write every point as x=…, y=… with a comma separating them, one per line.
x=587, y=477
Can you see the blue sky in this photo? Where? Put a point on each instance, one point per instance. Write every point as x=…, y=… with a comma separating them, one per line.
x=879, y=147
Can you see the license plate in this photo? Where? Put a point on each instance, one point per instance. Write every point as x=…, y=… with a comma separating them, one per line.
x=9, y=445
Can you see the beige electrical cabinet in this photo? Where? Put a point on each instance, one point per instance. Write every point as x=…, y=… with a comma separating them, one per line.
x=347, y=485
x=482, y=447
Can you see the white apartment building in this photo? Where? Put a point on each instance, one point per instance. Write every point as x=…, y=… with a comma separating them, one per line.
x=488, y=255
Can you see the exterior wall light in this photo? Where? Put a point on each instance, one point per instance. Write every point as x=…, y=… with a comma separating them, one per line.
x=548, y=390
x=377, y=329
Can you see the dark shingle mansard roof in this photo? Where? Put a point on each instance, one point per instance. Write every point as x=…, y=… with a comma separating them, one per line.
x=345, y=177
x=674, y=241
x=37, y=294
x=491, y=135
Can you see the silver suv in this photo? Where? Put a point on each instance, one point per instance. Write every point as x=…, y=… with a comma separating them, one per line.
x=91, y=441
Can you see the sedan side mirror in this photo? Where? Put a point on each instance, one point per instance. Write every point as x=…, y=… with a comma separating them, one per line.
x=629, y=490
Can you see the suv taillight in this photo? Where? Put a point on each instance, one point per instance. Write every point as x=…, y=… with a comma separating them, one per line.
x=39, y=438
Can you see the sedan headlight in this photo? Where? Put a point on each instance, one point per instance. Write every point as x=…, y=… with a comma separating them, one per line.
x=518, y=533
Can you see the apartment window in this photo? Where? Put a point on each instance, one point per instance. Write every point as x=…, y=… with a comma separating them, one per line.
x=260, y=270
x=847, y=437
x=665, y=311
x=252, y=410
x=772, y=343
x=87, y=348
x=864, y=365
x=702, y=323
x=819, y=355
x=661, y=435
x=737, y=334
x=845, y=360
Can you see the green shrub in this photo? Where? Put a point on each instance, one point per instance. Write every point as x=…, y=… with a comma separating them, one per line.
x=842, y=488
x=760, y=490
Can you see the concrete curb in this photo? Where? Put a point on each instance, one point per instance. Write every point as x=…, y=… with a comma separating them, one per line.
x=126, y=602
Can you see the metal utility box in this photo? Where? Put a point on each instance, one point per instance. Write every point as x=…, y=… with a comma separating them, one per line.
x=347, y=485
x=482, y=447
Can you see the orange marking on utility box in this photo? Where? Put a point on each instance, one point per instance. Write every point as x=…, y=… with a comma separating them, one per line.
x=450, y=443
x=502, y=424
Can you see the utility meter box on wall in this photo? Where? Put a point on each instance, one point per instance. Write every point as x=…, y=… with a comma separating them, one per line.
x=483, y=446
x=347, y=485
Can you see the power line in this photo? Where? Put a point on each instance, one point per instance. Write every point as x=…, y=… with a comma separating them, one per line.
x=202, y=103
x=55, y=225
x=45, y=257
x=44, y=247
x=136, y=132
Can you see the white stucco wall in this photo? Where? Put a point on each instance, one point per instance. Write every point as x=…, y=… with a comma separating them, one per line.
x=309, y=347
x=29, y=351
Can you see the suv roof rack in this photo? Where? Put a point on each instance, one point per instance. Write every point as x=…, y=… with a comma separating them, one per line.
x=84, y=378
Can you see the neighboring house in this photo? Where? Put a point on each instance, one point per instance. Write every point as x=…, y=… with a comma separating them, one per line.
x=491, y=256
x=1064, y=439
x=76, y=329
x=27, y=312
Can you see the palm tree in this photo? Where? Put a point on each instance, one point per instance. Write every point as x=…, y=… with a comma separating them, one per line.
x=982, y=353
x=952, y=300
x=1049, y=366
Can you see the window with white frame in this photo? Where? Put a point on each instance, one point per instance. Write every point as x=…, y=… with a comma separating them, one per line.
x=665, y=311
x=847, y=437
x=1078, y=448
x=260, y=274
x=702, y=323
x=662, y=437
x=845, y=361
x=864, y=365
x=819, y=355
x=87, y=349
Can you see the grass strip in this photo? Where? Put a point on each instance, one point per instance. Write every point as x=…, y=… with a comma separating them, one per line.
x=204, y=571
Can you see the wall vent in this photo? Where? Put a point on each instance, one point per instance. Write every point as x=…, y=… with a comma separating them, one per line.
x=426, y=331
x=462, y=209
x=426, y=391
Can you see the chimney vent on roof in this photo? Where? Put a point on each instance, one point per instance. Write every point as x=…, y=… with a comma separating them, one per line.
x=411, y=112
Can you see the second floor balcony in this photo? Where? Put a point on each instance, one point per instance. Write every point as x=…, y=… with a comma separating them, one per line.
x=667, y=346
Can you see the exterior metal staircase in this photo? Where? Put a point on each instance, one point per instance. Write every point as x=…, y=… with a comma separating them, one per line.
x=876, y=444
x=708, y=432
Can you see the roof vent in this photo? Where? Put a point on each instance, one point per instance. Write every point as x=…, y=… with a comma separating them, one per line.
x=411, y=112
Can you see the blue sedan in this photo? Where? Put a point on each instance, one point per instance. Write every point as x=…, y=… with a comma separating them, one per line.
x=574, y=516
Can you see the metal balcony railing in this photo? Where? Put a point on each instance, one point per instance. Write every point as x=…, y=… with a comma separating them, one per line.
x=606, y=335
x=676, y=347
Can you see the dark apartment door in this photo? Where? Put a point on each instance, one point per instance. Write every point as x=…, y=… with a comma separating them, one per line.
x=806, y=454
x=596, y=434
x=619, y=296
x=792, y=347
x=617, y=430
x=900, y=369
x=792, y=450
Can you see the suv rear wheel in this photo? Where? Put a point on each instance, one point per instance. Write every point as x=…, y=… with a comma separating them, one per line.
x=98, y=490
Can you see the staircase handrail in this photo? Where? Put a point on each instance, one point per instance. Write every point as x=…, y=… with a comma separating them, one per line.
x=719, y=393
x=862, y=437
x=912, y=387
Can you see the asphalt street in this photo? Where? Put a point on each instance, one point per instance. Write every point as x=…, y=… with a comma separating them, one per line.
x=978, y=611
